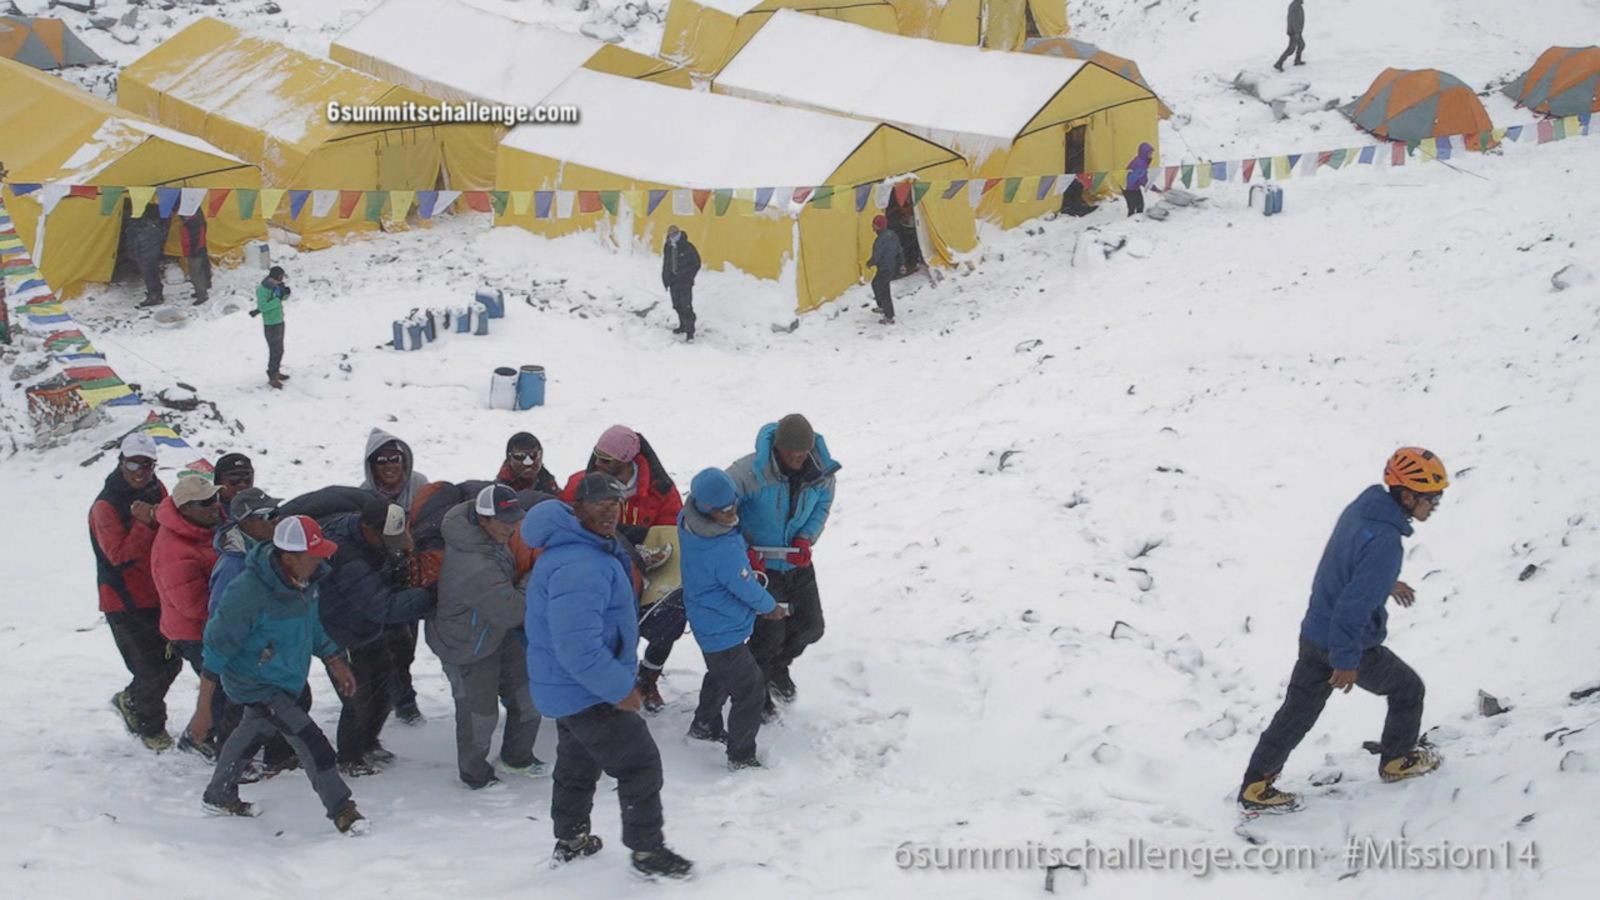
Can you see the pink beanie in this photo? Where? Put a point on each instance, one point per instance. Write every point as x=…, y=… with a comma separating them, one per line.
x=619, y=442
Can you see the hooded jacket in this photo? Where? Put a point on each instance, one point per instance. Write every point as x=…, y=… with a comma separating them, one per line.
x=479, y=601
x=680, y=263
x=410, y=483
x=232, y=546
x=720, y=594
x=887, y=254
x=1297, y=17
x=264, y=632
x=122, y=545
x=771, y=512
x=181, y=560
x=655, y=499
x=1359, y=566
x=365, y=592
x=582, y=622
x=1139, y=167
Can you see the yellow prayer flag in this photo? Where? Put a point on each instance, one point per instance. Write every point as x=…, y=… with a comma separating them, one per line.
x=270, y=198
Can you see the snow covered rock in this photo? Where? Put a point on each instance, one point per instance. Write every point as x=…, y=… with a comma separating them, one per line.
x=1570, y=277
x=1489, y=705
x=607, y=31
x=1575, y=761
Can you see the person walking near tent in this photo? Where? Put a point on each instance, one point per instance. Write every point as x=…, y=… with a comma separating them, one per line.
x=524, y=469
x=390, y=472
x=270, y=294
x=723, y=597
x=785, y=495
x=192, y=239
x=1341, y=636
x=476, y=632
x=1297, y=41
x=145, y=236
x=122, y=531
x=260, y=641
x=680, y=262
x=583, y=639
x=887, y=261
x=1138, y=178
x=181, y=560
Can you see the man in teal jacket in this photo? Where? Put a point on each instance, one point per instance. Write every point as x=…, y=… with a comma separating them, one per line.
x=785, y=495
x=270, y=294
x=260, y=641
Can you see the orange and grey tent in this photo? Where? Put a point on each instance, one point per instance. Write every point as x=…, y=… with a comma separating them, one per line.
x=1071, y=48
x=1564, y=82
x=43, y=43
x=1409, y=105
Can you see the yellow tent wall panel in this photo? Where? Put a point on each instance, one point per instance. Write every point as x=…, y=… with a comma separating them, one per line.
x=52, y=132
x=995, y=24
x=702, y=37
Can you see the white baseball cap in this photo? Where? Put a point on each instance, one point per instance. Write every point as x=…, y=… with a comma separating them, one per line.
x=140, y=445
x=302, y=534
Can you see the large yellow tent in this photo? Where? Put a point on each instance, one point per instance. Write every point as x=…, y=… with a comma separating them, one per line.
x=54, y=134
x=269, y=103
x=996, y=24
x=726, y=171
x=702, y=35
x=1010, y=115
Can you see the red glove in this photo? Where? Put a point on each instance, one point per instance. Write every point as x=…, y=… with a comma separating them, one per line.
x=758, y=563
x=802, y=554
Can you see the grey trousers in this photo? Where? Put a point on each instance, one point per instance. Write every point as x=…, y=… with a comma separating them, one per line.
x=479, y=689
x=263, y=721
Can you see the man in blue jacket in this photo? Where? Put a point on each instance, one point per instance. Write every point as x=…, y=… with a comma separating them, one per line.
x=260, y=641
x=583, y=638
x=1341, y=636
x=785, y=493
x=723, y=598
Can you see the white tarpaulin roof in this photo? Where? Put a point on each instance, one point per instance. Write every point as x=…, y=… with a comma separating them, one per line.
x=927, y=86
x=459, y=52
x=691, y=139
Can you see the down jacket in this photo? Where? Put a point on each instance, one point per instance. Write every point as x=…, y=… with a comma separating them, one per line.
x=181, y=561
x=479, y=601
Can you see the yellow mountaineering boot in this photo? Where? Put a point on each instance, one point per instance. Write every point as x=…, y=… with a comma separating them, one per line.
x=1260, y=797
x=1418, y=762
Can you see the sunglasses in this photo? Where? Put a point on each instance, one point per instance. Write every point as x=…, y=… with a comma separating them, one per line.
x=394, y=460
x=527, y=459
x=605, y=457
x=263, y=514
x=134, y=465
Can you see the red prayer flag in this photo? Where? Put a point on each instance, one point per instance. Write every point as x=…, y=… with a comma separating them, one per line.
x=214, y=200
x=348, y=200
x=589, y=201
x=478, y=201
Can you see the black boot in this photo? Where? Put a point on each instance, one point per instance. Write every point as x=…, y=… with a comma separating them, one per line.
x=661, y=863
x=647, y=689
x=577, y=848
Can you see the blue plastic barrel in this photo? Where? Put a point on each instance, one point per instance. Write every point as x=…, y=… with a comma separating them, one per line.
x=530, y=387
x=464, y=321
x=399, y=342
x=414, y=332
x=493, y=301
x=481, y=316
x=430, y=328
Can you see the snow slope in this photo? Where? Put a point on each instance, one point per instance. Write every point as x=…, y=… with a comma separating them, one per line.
x=1199, y=406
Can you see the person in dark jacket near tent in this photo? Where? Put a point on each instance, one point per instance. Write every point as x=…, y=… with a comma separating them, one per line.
x=723, y=597
x=680, y=263
x=1297, y=41
x=1341, y=636
x=523, y=469
x=144, y=236
x=887, y=262
x=122, y=531
x=583, y=638
x=390, y=471
x=1138, y=178
x=181, y=560
x=476, y=632
x=369, y=607
x=192, y=240
x=785, y=495
x=270, y=294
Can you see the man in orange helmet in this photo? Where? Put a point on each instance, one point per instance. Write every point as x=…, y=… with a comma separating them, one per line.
x=1341, y=637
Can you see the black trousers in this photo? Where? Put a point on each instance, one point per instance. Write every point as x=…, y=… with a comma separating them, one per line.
x=144, y=651
x=776, y=644
x=365, y=711
x=880, y=293
x=279, y=717
x=683, y=303
x=661, y=623
x=403, y=648
x=733, y=673
x=200, y=275
x=1380, y=672
x=274, y=348
x=1297, y=46
x=227, y=715
x=605, y=739
x=1135, y=198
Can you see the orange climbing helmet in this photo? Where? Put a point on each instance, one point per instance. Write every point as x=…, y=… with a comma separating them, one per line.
x=1416, y=469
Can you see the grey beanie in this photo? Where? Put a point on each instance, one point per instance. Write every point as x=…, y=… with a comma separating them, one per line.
x=795, y=434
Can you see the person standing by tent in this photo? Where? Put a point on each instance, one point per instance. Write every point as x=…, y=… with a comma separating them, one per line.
x=270, y=294
x=723, y=598
x=192, y=238
x=785, y=495
x=1297, y=28
x=1341, y=636
x=680, y=262
x=1138, y=178
x=887, y=261
x=146, y=235
x=523, y=469
x=181, y=560
x=122, y=531
x=583, y=638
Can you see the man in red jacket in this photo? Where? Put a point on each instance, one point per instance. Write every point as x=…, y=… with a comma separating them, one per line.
x=122, y=528
x=181, y=561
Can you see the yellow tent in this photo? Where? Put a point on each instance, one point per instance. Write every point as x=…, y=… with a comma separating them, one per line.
x=1010, y=115
x=996, y=24
x=728, y=181
x=52, y=133
x=702, y=35
x=269, y=104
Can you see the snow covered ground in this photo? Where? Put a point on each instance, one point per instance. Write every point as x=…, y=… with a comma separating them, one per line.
x=1185, y=420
